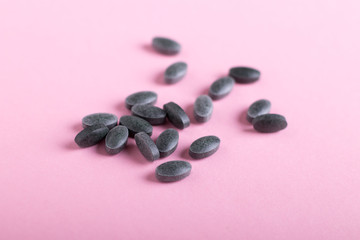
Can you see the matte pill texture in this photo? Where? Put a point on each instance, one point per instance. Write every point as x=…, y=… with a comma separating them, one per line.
x=244, y=74
x=269, y=123
x=221, y=88
x=166, y=46
x=167, y=142
x=204, y=147
x=116, y=139
x=175, y=72
x=152, y=114
x=176, y=115
x=260, y=107
x=173, y=171
x=108, y=119
x=141, y=98
x=91, y=135
x=147, y=146
x=136, y=125
x=203, y=108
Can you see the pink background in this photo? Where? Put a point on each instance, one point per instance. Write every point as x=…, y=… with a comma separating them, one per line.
x=61, y=60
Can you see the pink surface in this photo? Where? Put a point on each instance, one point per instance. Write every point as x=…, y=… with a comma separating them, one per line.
x=61, y=60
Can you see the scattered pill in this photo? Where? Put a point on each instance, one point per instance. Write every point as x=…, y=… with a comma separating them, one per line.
x=258, y=108
x=204, y=147
x=244, y=74
x=203, y=108
x=221, y=88
x=166, y=46
x=175, y=72
x=167, y=142
x=173, y=171
x=269, y=123
x=136, y=125
x=116, y=139
x=91, y=135
x=141, y=98
x=152, y=114
x=176, y=115
x=108, y=119
x=147, y=146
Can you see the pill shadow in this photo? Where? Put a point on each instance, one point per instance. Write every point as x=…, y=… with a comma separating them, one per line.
x=204, y=91
x=100, y=149
x=243, y=118
x=159, y=79
x=77, y=127
x=71, y=146
x=132, y=153
x=121, y=107
x=148, y=48
x=189, y=110
x=185, y=154
x=151, y=177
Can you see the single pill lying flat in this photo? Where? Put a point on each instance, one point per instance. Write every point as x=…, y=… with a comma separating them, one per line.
x=116, y=139
x=203, y=108
x=135, y=125
x=147, y=146
x=221, y=88
x=141, y=98
x=152, y=114
x=91, y=135
x=175, y=72
x=204, y=147
x=260, y=107
x=176, y=115
x=166, y=46
x=244, y=74
x=173, y=171
x=108, y=119
x=269, y=123
x=167, y=142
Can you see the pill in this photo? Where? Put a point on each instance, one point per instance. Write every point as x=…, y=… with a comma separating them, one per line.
x=175, y=72
x=269, y=123
x=91, y=135
x=135, y=125
x=167, y=142
x=176, y=115
x=116, y=139
x=203, y=108
x=221, y=87
x=152, y=114
x=173, y=171
x=244, y=74
x=166, y=46
x=204, y=147
x=147, y=146
x=142, y=98
x=258, y=108
x=108, y=119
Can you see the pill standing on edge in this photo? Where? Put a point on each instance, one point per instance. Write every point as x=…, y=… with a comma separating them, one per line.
x=173, y=171
x=116, y=139
x=108, y=119
x=269, y=123
x=167, y=142
x=91, y=135
x=152, y=114
x=136, y=125
x=166, y=46
x=221, y=88
x=147, y=146
x=258, y=108
x=175, y=72
x=204, y=147
x=203, y=108
x=176, y=115
x=244, y=74
x=141, y=98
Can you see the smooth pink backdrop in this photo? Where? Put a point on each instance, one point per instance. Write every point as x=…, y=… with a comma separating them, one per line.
x=61, y=60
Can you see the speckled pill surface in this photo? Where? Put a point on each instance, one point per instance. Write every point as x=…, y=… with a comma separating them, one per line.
x=147, y=146
x=166, y=46
x=203, y=108
x=204, y=147
x=108, y=119
x=167, y=142
x=176, y=115
x=175, y=72
x=116, y=139
x=269, y=123
x=141, y=98
x=258, y=108
x=221, y=88
x=173, y=171
x=91, y=135
x=135, y=125
x=244, y=74
x=152, y=114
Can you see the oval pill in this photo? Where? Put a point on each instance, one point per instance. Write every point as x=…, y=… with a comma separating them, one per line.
x=204, y=147
x=152, y=114
x=258, y=108
x=116, y=139
x=175, y=72
x=141, y=98
x=269, y=123
x=91, y=135
x=221, y=88
x=167, y=142
x=203, y=108
x=173, y=171
x=108, y=119
x=135, y=125
x=244, y=74
x=176, y=115
x=166, y=46
x=147, y=146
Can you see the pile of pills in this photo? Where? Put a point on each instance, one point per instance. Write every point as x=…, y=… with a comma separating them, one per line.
x=145, y=115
